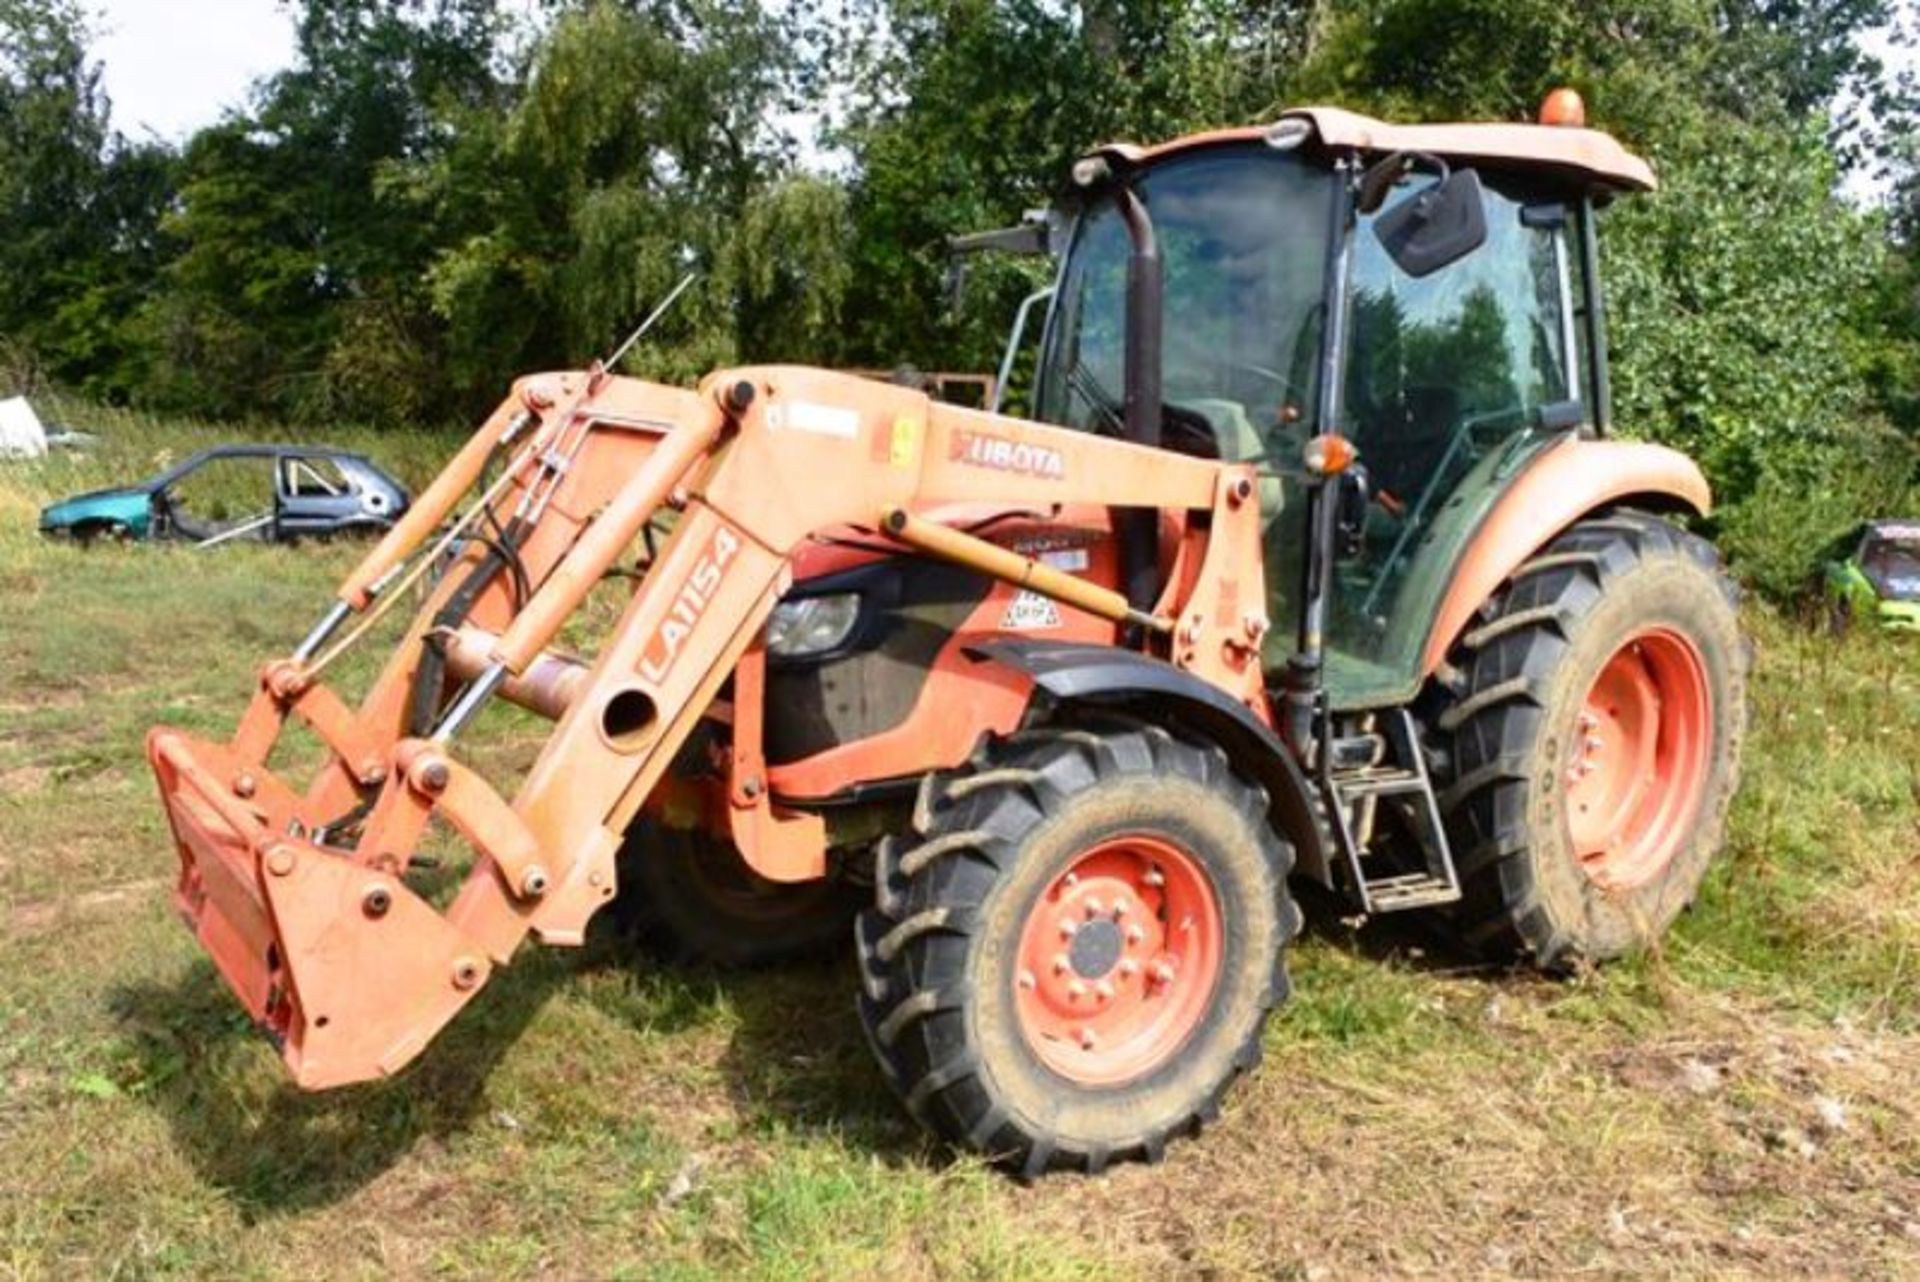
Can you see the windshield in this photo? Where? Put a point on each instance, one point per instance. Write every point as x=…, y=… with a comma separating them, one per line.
x=1894, y=568
x=1243, y=240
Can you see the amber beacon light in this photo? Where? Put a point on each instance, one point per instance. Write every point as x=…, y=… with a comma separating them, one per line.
x=1563, y=107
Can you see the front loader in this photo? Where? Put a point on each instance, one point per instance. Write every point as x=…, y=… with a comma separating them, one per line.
x=1317, y=564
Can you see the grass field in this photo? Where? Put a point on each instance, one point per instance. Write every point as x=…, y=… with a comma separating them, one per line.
x=1742, y=1104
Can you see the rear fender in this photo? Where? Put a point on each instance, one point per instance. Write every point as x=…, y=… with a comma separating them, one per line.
x=1110, y=677
x=1569, y=481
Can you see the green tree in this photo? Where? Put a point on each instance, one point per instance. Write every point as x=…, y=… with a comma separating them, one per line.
x=79, y=204
x=964, y=115
x=297, y=285
x=640, y=150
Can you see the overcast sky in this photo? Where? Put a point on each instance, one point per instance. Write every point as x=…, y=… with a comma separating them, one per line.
x=172, y=66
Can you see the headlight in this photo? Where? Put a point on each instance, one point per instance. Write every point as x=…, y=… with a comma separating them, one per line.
x=812, y=625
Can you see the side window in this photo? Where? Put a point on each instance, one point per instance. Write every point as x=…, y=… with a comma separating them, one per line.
x=1473, y=350
x=312, y=478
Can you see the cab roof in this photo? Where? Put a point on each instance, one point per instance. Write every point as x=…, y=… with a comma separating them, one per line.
x=1588, y=156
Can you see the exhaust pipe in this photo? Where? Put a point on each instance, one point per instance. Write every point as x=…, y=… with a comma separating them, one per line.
x=1140, y=527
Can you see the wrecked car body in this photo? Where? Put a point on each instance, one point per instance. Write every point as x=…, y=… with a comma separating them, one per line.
x=264, y=493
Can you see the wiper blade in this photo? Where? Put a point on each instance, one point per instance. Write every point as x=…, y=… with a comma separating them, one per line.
x=1082, y=380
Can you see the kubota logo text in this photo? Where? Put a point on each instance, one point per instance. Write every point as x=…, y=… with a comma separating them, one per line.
x=695, y=595
x=982, y=449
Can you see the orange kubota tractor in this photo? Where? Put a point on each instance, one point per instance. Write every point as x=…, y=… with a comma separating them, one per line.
x=1315, y=563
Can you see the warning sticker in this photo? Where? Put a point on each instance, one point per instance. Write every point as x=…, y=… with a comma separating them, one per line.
x=1031, y=612
x=811, y=416
x=1070, y=560
x=905, y=445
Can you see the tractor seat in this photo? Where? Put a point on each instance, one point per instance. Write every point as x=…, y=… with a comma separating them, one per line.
x=1240, y=442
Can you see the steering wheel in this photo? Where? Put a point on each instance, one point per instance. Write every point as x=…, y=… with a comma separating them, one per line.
x=1275, y=377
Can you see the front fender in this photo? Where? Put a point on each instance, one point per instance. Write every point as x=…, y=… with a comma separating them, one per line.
x=129, y=510
x=1567, y=482
x=1109, y=676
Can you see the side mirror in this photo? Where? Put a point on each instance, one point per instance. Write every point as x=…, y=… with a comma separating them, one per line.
x=1033, y=237
x=1436, y=227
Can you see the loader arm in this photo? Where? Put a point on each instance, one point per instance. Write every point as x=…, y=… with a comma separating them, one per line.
x=302, y=898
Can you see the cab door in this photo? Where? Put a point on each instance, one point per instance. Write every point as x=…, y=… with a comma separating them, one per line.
x=1453, y=382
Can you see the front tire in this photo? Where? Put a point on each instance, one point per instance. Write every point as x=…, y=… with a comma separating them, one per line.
x=1596, y=743
x=1075, y=949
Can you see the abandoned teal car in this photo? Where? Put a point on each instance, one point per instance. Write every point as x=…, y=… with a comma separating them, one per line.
x=1875, y=578
x=285, y=492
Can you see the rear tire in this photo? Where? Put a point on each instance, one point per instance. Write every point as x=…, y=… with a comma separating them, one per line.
x=691, y=897
x=1595, y=744
x=1075, y=948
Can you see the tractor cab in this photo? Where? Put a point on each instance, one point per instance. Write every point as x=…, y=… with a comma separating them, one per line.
x=1426, y=293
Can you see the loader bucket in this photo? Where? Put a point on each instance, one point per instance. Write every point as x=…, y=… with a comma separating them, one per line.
x=347, y=970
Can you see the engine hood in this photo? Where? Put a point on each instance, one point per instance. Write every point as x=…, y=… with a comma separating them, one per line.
x=127, y=505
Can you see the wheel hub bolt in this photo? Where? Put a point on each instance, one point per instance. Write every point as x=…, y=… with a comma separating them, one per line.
x=1060, y=964
x=1093, y=908
x=1071, y=880
x=1121, y=908
x=1129, y=968
x=1076, y=990
x=1066, y=929
x=1087, y=1039
x=1162, y=973
x=1027, y=981
x=1103, y=990
x=1135, y=934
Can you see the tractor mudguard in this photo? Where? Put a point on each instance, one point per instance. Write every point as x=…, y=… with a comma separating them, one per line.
x=1110, y=676
x=1567, y=482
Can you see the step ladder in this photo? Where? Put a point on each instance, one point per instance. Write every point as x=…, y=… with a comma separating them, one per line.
x=1359, y=773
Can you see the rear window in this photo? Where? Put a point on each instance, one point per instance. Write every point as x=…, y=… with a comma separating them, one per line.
x=315, y=478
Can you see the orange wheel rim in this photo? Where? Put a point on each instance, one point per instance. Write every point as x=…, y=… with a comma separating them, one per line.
x=1118, y=960
x=1637, y=759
